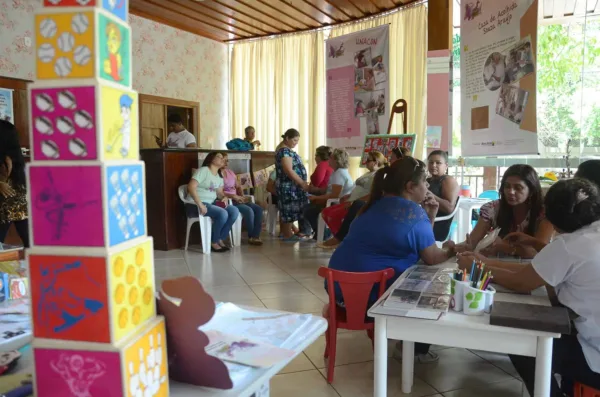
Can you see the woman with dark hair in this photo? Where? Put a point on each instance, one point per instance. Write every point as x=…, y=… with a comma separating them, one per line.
x=320, y=177
x=589, y=170
x=252, y=213
x=519, y=209
x=340, y=184
x=571, y=265
x=394, y=229
x=13, y=190
x=290, y=185
x=205, y=187
x=399, y=153
x=444, y=189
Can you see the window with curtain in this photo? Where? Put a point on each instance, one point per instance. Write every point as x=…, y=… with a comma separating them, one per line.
x=279, y=83
x=568, y=66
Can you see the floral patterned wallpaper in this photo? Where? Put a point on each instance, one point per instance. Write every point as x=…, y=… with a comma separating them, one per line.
x=166, y=62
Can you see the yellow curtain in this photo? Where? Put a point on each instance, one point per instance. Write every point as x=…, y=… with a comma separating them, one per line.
x=279, y=83
x=408, y=74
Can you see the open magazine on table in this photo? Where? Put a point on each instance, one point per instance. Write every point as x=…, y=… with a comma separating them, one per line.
x=422, y=292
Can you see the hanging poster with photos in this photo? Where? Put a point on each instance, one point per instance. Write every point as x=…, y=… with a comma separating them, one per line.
x=357, y=87
x=385, y=144
x=498, y=77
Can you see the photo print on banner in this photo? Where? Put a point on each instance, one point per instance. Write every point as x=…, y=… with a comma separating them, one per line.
x=385, y=144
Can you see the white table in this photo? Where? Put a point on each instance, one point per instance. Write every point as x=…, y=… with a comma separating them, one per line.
x=256, y=381
x=459, y=330
x=258, y=377
x=465, y=209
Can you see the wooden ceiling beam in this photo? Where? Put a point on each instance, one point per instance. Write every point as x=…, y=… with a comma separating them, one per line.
x=298, y=10
x=328, y=15
x=375, y=5
x=165, y=20
x=220, y=17
x=183, y=12
x=220, y=7
x=287, y=24
x=336, y=7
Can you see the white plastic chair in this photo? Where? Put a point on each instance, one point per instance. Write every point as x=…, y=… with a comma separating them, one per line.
x=450, y=216
x=272, y=215
x=236, y=229
x=205, y=222
x=321, y=225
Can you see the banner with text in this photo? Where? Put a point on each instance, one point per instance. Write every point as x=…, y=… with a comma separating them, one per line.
x=357, y=88
x=498, y=77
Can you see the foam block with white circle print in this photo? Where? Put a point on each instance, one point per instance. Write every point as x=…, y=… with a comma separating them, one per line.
x=47, y=27
x=82, y=55
x=63, y=67
x=66, y=41
x=80, y=23
x=46, y=53
x=102, y=117
x=118, y=8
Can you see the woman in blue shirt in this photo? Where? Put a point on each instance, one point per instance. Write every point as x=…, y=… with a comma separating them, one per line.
x=394, y=229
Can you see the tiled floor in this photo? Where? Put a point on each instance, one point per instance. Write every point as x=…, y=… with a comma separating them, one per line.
x=284, y=277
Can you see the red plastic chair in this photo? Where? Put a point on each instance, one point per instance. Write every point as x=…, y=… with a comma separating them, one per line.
x=581, y=390
x=356, y=290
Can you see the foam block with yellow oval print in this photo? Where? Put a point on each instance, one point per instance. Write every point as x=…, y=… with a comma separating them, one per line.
x=131, y=289
x=135, y=367
x=82, y=43
x=92, y=298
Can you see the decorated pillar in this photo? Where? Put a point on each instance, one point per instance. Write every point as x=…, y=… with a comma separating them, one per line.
x=91, y=264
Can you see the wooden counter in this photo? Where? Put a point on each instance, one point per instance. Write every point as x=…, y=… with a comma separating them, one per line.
x=166, y=170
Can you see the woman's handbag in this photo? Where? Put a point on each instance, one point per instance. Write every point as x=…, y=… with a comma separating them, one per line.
x=334, y=216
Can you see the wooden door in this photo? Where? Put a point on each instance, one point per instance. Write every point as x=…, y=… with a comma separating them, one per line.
x=152, y=123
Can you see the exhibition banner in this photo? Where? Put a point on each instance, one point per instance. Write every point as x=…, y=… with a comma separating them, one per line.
x=357, y=88
x=498, y=77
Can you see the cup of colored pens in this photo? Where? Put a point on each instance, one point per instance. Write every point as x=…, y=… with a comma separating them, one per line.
x=478, y=295
x=457, y=284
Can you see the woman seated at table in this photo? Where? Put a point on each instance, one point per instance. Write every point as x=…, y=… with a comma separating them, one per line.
x=519, y=209
x=340, y=184
x=344, y=213
x=399, y=153
x=252, y=213
x=205, y=187
x=589, y=170
x=570, y=264
x=444, y=189
x=393, y=230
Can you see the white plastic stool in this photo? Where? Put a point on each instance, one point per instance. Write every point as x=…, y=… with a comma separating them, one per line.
x=272, y=215
x=204, y=221
x=321, y=225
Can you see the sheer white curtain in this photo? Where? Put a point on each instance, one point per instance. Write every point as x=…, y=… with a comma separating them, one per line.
x=279, y=83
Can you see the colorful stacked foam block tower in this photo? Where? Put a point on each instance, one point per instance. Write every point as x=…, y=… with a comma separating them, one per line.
x=91, y=263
